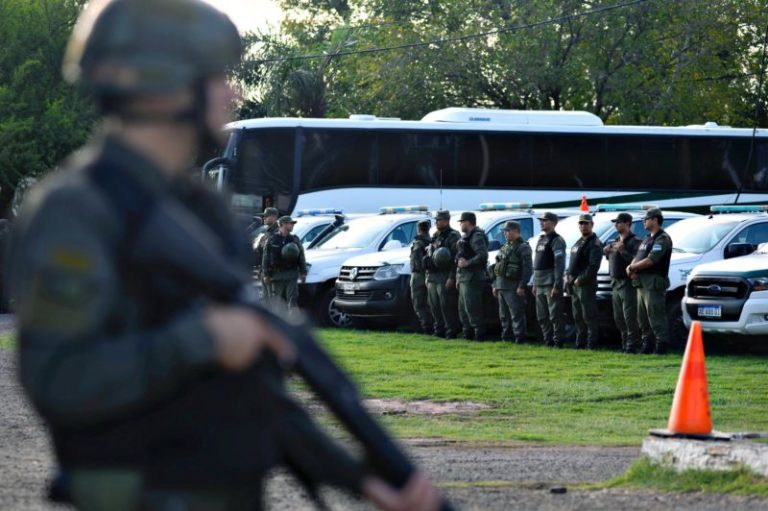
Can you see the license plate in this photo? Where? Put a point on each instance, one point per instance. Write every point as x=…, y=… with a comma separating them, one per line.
x=710, y=311
x=348, y=289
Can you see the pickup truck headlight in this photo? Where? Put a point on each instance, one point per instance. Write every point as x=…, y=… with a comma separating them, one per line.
x=759, y=283
x=388, y=272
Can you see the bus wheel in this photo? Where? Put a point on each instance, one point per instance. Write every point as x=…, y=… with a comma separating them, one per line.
x=328, y=314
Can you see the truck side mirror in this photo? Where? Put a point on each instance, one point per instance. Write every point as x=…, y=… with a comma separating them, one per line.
x=392, y=245
x=738, y=249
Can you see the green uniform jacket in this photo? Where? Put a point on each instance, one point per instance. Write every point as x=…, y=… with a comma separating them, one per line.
x=521, y=252
x=550, y=276
x=651, y=278
x=477, y=263
x=271, y=263
x=620, y=259
x=586, y=256
x=447, y=238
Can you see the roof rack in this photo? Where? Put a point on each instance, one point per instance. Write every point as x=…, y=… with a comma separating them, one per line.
x=504, y=206
x=625, y=207
x=391, y=210
x=321, y=211
x=733, y=208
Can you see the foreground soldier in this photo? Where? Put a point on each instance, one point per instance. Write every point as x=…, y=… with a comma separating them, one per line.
x=441, y=277
x=650, y=272
x=548, y=270
x=620, y=253
x=156, y=399
x=513, y=271
x=419, y=294
x=284, y=264
x=581, y=277
x=472, y=259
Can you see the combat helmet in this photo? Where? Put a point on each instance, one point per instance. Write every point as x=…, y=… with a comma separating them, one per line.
x=442, y=258
x=290, y=252
x=126, y=48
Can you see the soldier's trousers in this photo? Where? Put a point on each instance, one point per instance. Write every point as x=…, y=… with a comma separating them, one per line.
x=285, y=291
x=549, y=313
x=512, y=315
x=624, y=301
x=584, y=309
x=444, y=307
x=471, y=306
x=652, y=314
x=420, y=300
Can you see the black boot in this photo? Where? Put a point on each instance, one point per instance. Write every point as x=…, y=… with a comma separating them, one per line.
x=579, y=345
x=479, y=334
x=439, y=332
x=646, y=348
x=661, y=348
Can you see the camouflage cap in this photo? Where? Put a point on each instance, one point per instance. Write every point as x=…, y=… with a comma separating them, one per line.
x=623, y=217
x=468, y=216
x=653, y=213
x=134, y=47
x=285, y=220
x=549, y=216
x=585, y=218
x=511, y=225
x=443, y=214
x=270, y=212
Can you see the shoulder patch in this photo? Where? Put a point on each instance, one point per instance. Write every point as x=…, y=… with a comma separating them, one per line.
x=559, y=253
x=657, y=248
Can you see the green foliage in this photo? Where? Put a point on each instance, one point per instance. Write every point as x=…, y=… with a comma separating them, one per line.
x=645, y=474
x=42, y=119
x=657, y=62
x=7, y=341
x=539, y=394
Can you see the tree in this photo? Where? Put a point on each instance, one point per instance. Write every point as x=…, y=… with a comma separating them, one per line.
x=42, y=119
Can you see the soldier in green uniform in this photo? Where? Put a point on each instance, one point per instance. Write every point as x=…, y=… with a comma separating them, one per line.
x=581, y=279
x=283, y=264
x=471, y=259
x=419, y=294
x=650, y=273
x=513, y=270
x=155, y=397
x=441, y=277
x=620, y=253
x=548, y=272
x=270, y=216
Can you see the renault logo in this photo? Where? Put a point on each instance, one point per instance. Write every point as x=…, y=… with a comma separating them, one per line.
x=353, y=273
x=714, y=289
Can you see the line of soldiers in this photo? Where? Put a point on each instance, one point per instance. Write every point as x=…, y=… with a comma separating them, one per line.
x=448, y=276
x=279, y=255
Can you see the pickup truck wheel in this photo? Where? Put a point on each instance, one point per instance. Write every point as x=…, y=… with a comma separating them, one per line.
x=678, y=332
x=328, y=314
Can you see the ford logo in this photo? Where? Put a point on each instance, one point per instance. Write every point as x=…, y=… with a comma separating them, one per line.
x=714, y=289
x=353, y=273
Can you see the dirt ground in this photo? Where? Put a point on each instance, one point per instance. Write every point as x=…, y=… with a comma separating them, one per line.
x=476, y=477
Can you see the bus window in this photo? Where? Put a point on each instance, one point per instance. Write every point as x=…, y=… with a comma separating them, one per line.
x=338, y=158
x=569, y=161
x=263, y=175
x=415, y=159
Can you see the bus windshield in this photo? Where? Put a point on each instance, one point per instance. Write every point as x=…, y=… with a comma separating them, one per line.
x=698, y=237
x=355, y=234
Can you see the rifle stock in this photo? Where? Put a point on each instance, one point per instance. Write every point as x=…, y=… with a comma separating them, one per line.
x=168, y=227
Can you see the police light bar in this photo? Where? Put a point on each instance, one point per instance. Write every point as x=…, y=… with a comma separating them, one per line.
x=730, y=208
x=625, y=207
x=501, y=206
x=315, y=212
x=391, y=210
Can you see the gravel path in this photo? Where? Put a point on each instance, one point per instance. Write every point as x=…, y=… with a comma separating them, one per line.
x=477, y=477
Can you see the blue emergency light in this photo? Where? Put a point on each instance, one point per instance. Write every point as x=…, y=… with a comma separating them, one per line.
x=315, y=212
x=625, y=207
x=732, y=208
x=501, y=206
x=391, y=210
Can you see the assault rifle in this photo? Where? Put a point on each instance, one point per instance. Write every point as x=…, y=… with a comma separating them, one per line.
x=166, y=227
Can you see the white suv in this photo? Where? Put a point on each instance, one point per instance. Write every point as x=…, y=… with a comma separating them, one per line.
x=392, y=229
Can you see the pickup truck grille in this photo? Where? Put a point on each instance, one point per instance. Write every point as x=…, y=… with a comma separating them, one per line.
x=604, y=283
x=717, y=287
x=362, y=273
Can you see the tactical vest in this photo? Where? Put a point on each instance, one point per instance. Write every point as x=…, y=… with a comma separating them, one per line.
x=617, y=265
x=418, y=253
x=579, y=262
x=545, y=257
x=508, y=262
x=660, y=268
x=439, y=240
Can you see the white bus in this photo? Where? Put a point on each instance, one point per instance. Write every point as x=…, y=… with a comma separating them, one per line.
x=456, y=158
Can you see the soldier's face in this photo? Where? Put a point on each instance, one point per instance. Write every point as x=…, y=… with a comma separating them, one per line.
x=585, y=228
x=270, y=220
x=511, y=235
x=622, y=227
x=221, y=99
x=441, y=223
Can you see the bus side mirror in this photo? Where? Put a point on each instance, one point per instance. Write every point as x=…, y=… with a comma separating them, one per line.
x=494, y=245
x=738, y=249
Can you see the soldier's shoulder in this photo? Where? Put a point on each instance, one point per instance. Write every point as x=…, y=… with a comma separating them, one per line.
x=558, y=240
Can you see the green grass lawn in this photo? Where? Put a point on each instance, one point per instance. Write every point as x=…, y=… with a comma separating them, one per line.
x=540, y=394
x=7, y=341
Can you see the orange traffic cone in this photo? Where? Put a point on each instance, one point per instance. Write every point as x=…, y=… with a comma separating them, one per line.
x=690, y=406
x=584, y=206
